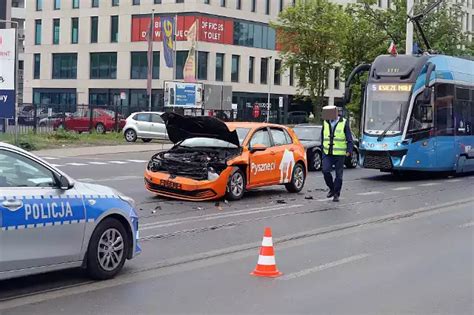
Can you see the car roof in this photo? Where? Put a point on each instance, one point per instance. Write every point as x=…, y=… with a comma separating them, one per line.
x=251, y=125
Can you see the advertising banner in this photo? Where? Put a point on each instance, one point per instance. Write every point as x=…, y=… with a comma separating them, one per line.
x=7, y=73
x=167, y=27
x=178, y=94
x=209, y=29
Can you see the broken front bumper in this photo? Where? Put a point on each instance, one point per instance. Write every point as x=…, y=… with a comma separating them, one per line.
x=179, y=187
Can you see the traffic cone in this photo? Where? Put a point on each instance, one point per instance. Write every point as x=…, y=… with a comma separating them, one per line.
x=266, y=265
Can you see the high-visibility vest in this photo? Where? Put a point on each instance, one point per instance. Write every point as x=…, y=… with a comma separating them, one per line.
x=334, y=143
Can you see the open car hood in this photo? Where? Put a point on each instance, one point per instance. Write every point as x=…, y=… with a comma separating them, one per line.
x=180, y=128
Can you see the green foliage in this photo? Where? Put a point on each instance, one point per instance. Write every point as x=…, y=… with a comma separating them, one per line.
x=309, y=35
x=61, y=134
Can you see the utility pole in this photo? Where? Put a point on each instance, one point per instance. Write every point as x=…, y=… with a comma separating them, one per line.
x=269, y=87
x=152, y=36
x=409, y=30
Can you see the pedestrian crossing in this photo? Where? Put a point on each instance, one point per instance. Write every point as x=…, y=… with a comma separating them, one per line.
x=95, y=163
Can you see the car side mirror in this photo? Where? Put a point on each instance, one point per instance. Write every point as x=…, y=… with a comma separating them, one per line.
x=64, y=183
x=257, y=148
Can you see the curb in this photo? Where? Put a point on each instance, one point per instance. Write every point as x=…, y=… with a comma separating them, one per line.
x=102, y=150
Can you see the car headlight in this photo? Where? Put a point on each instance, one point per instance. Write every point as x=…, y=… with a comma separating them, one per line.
x=212, y=174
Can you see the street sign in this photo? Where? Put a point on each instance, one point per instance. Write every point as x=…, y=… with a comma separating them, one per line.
x=280, y=102
x=123, y=95
x=7, y=73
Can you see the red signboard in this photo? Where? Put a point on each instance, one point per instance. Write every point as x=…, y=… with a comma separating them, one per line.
x=212, y=30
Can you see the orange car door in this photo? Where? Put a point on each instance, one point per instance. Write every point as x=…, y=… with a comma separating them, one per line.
x=262, y=166
x=284, y=154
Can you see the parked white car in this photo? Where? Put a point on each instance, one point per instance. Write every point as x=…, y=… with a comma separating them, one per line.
x=145, y=126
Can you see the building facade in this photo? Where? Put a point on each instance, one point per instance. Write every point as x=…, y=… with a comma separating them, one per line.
x=89, y=51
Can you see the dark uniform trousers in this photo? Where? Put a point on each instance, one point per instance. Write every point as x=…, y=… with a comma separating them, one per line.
x=338, y=162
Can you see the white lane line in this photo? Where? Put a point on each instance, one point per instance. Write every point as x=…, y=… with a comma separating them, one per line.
x=213, y=216
x=454, y=180
x=402, y=188
x=118, y=162
x=49, y=158
x=76, y=164
x=369, y=193
x=466, y=225
x=336, y=263
x=98, y=163
x=429, y=184
x=56, y=165
x=137, y=161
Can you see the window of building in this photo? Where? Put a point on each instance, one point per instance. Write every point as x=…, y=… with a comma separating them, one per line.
x=281, y=5
x=277, y=73
x=37, y=32
x=293, y=3
x=179, y=1
x=57, y=4
x=114, y=28
x=74, y=30
x=234, y=75
x=139, y=65
x=223, y=3
x=95, y=3
x=75, y=4
x=207, y=1
x=64, y=66
x=292, y=75
x=220, y=67
x=337, y=78
x=380, y=3
x=157, y=1
x=136, y=2
x=202, y=60
x=389, y=4
x=238, y=4
x=251, y=69
x=181, y=57
x=254, y=5
x=39, y=5
x=267, y=7
x=103, y=65
x=94, y=29
x=115, y=3
x=252, y=34
x=56, y=31
x=263, y=71
x=36, y=66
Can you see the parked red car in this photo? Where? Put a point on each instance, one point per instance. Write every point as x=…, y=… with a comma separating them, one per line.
x=102, y=121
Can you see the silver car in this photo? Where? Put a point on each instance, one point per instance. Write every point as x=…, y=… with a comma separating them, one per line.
x=145, y=126
x=49, y=222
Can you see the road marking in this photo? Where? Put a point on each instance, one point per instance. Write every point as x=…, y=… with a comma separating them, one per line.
x=137, y=161
x=454, y=180
x=49, y=158
x=111, y=179
x=402, y=188
x=97, y=163
x=336, y=263
x=118, y=162
x=466, y=225
x=429, y=184
x=56, y=165
x=213, y=216
x=76, y=164
x=369, y=193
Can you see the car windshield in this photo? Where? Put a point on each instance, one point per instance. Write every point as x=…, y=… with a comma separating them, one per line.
x=386, y=108
x=206, y=143
x=308, y=133
x=242, y=134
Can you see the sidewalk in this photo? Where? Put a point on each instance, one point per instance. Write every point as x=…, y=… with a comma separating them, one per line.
x=101, y=150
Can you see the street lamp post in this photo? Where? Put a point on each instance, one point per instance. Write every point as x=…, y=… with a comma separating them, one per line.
x=269, y=86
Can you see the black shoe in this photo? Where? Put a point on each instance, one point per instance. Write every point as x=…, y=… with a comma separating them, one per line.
x=330, y=194
x=336, y=198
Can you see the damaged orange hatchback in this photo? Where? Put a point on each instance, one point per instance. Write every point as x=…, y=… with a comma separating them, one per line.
x=212, y=159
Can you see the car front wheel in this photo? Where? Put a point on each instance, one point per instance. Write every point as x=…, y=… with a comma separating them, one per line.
x=100, y=128
x=107, y=250
x=236, y=185
x=297, y=179
x=130, y=135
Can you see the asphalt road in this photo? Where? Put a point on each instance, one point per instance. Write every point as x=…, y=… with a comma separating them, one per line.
x=391, y=246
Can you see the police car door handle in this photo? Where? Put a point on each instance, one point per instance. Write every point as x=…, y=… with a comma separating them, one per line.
x=12, y=205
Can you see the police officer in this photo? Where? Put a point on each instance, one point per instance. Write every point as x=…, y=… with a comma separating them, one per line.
x=337, y=143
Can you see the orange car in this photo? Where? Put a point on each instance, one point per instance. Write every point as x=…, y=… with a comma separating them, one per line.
x=212, y=159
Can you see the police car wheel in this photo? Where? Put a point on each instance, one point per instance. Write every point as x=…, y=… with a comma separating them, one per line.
x=297, y=179
x=130, y=135
x=107, y=250
x=236, y=185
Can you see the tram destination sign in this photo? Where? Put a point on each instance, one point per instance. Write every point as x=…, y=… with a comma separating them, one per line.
x=391, y=87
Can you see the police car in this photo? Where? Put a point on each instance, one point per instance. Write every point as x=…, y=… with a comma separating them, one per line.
x=49, y=222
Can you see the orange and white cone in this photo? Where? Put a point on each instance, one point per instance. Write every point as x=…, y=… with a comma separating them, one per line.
x=266, y=265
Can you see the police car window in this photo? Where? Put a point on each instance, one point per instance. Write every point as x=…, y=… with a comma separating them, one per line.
x=156, y=119
x=18, y=171
x=261, y=137
x=142, y=117
x=279, y=137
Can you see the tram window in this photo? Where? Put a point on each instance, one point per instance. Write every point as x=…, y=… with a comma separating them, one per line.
x=422, y=115
x=444, y=109
x=462, y=117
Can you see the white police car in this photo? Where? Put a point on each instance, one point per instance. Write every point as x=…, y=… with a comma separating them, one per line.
x=49, y=222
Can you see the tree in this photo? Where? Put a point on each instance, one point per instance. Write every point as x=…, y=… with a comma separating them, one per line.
x=310, y=36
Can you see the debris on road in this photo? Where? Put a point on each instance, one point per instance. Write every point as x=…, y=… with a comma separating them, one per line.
x=308, y=197
x=281, y=201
